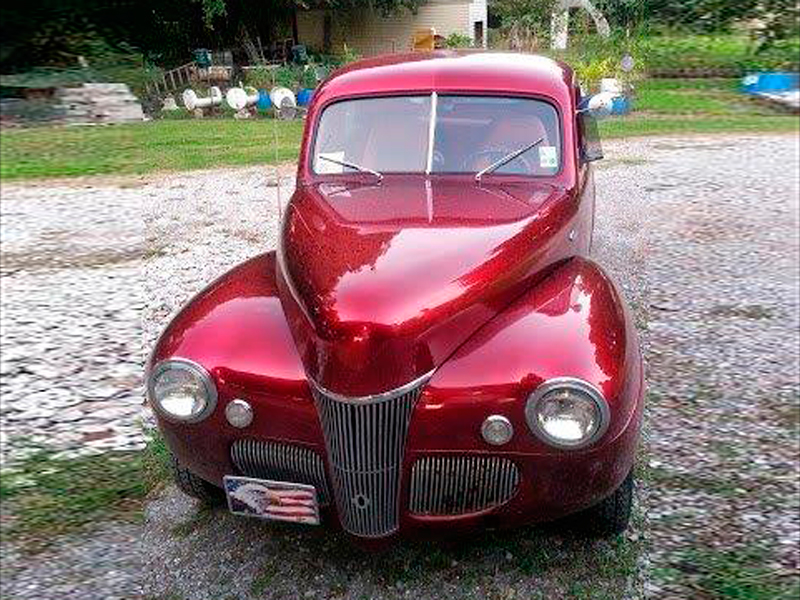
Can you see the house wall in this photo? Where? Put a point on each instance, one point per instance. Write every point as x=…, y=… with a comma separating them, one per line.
x=368, y=33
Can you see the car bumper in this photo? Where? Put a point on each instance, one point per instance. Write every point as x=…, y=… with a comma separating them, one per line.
x=550, y=484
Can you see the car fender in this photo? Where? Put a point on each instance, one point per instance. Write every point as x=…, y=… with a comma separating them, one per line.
x=236, y=329
x=573, y=323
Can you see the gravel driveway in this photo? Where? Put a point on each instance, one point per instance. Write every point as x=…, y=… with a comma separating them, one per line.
x=700, y=232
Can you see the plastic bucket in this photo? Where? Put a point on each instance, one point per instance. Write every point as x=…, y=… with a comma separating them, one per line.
x=304, y=96
x=264, y=102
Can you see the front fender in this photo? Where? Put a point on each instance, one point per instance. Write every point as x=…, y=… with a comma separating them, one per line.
x=572, y=324
x=236, y=329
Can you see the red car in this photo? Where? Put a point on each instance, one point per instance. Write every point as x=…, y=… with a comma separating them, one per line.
x=430, y=348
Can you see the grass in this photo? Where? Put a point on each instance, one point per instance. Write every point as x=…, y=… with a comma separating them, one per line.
x=166, y=145
x=662, y=107
x=45, y=494
x=667, y=106
x=733, y=52
x=738, y=574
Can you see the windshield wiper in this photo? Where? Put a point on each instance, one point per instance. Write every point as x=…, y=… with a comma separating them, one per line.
x=506, y=159
x=350, y=165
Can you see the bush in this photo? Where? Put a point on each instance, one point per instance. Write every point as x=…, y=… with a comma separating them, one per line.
x=458, y=40
x=288, y=76
x=594, y=57
x=259, y=77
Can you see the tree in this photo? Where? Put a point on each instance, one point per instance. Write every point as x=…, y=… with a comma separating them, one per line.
x=525, y=23
x=780, y=21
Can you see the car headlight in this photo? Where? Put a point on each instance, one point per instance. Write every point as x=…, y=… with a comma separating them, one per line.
x=181, y=390
x=567, y=413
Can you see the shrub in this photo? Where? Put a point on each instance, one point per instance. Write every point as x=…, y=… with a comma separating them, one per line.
x=259, y=77
x=458, y=40
x=673, y=53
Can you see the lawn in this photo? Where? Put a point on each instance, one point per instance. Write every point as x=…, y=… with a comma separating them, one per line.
x=166, y=145
x=663, y=106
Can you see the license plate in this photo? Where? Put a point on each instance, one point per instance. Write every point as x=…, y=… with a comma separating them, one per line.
x=273, y=500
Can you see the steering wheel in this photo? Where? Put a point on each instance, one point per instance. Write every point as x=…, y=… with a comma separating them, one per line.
x=491, y=156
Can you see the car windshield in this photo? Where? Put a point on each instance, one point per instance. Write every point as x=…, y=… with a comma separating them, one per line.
x=438, y=134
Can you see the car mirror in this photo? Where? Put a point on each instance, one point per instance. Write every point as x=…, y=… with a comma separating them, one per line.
x=590, y=149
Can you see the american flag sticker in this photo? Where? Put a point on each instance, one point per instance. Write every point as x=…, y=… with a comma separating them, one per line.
x=273, y=500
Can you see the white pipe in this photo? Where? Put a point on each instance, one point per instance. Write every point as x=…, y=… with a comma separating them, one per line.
x=283, y=102
x=192, y=101
x=239, y=98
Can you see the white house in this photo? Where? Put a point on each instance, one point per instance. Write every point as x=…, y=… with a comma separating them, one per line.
x=368, y=33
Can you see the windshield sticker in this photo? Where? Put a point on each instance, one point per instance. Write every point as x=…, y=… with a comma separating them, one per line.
x=326, y=167
x=548, y=157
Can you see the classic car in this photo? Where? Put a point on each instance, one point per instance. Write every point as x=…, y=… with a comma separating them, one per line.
x=430, y=349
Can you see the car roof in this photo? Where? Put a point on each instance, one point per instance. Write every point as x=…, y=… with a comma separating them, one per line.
x=450, y=70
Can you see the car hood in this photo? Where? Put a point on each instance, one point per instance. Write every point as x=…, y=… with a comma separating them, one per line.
x=382, y=282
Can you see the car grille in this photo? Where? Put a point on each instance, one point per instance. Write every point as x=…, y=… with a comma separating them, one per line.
x=281, y=462
x=453, y=485
x=366, y=439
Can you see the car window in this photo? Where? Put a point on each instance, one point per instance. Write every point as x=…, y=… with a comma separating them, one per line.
x=473, y=132
x=469, y=133
x=384, y=134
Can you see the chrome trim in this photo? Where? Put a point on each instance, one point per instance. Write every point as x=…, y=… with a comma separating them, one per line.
x=490, y=420
x=455, y=485
x=281, y=462
x=186, y=365
x=431, y=132
x=373, y=398
x=574, y=383
x=365, y=439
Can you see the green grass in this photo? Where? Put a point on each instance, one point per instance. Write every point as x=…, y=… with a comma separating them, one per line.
x=641, y=126
x=662, y=107
x=167, y=145
x=740, y=574
x=45, y=494
x=665, y=106
x=156, y=461
x=734, y=52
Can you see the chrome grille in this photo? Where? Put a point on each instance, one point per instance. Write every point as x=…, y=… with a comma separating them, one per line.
x=452, y=485
x=366, y=438
x=281, y=462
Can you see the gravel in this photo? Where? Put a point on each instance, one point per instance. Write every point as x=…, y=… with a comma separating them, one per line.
x=101, y=564
x=70, y=345
x=701, y=234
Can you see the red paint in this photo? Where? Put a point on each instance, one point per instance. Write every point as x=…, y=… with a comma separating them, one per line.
x=375, y=285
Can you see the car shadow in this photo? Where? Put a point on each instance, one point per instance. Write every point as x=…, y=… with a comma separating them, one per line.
x=285, y=558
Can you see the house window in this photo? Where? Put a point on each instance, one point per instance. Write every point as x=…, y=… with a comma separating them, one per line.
x=477, y=33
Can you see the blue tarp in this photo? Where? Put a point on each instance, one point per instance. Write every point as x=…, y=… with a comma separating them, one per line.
x=770, y=82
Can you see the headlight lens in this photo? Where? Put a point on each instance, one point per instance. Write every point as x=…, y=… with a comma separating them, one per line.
x=567, y=413
x=182, y=390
